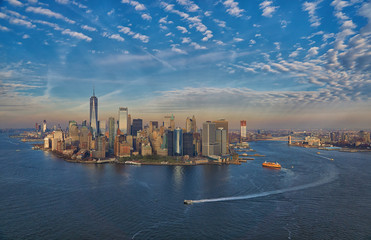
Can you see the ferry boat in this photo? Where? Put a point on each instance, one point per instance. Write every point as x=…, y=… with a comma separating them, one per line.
x=271, y=164
x=188, y=202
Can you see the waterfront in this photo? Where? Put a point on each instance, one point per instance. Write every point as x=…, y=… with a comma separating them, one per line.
x=44, y=197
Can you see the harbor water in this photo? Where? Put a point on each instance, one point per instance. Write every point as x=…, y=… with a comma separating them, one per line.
x=311, y=197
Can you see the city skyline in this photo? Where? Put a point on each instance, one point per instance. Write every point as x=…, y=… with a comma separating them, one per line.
x=303, y=64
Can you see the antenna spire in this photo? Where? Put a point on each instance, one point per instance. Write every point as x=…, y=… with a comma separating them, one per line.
x=93, y=91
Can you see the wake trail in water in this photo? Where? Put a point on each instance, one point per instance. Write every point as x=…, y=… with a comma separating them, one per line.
x=331, y=177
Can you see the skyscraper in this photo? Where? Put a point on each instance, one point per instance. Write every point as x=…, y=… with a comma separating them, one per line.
x=208, y=138
x=243, y=128
x=223, y=124
x=94, y=114
x=102, y=127
x=178, y=142
x=221, y=140
x=111, y=132
x=129, y=124
x=123, y=120
x=137, y=126
x=44, y=126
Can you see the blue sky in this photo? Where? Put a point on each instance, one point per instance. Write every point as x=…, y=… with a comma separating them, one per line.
x=286, y=64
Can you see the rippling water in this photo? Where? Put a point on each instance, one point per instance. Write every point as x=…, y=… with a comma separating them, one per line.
x=311, y=197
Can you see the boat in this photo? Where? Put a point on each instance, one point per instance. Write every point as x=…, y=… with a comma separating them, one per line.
x=188, y=202
x=332, y=159
x=271, y=164
x=132, y=163
x=318, y=152
x=244, y=154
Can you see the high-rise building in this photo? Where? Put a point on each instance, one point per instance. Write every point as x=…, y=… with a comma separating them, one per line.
x=94, y=114
x=169, y=142
x=222, y=123
x=153, y=125
x=111, y=132
x=243, y=128
x=129, y=124
x=188, y=125
x=178, y=142
x=44, y=126
x=221, y=141
x=123, y=120
x=137, y=126
x=102, y=127
x=194, y=125
x=208, y=138
x=172, y=122
x=188, y=146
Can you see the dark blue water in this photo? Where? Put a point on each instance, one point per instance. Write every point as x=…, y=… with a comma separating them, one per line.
x=312, y=197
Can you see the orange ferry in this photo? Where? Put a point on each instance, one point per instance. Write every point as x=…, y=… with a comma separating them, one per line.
x=271, y=164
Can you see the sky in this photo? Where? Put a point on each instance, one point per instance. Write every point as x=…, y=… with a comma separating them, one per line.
x=275, y=64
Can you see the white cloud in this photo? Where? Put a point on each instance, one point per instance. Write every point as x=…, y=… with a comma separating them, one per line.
x=278, y=45
x=146, y=16
x=189, y=5
x=238, y=39
x=111, y=12
x=268, y=8
x=186, y=40
x=4, y=29
x=232, y=8
x=62, y=1
x=252, y=41
x=182, y=29
x=21, y=22
x=76, y=35
x=311, y=8
x=141, y=37
x=284, y=23
x=296, y=52
x=197, y=46
x=117, y=37
x=218, y=42
x=86, y=27
x=25, y=36
x=48, y=13
x=220, y=23
x=138, y=6
x=15, y=3
x=177, y=50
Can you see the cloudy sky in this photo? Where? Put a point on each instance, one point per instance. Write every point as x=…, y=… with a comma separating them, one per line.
x=277, y=64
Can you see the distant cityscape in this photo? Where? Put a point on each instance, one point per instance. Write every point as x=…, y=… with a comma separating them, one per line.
x=126, y=138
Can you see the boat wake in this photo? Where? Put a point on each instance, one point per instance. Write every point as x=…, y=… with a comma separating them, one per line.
x=329, y=178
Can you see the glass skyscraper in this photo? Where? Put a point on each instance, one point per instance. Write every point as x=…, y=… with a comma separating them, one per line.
x=94, y=115
x=123, y=120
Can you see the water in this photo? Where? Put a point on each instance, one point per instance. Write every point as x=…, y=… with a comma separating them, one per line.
x=311, y=197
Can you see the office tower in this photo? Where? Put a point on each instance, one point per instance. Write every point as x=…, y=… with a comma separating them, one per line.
x=289, y=140
x=44, y=126
x=208, y=138
x=111, y=132
x=123, y=120
x=153, y=125
x=83, y=123
x=222, y=123
x=221, y=140
x=243, y=128
x=191, y=125
x=172, y=122
x=188, y=125
x=129, y=124
x=94, y=114
x=188, y=147
x=178, y=142
x=194, y=125
x=102, y=127
x=84, y=138
x=74, y=132
x=137, y=126
x=169, y=142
